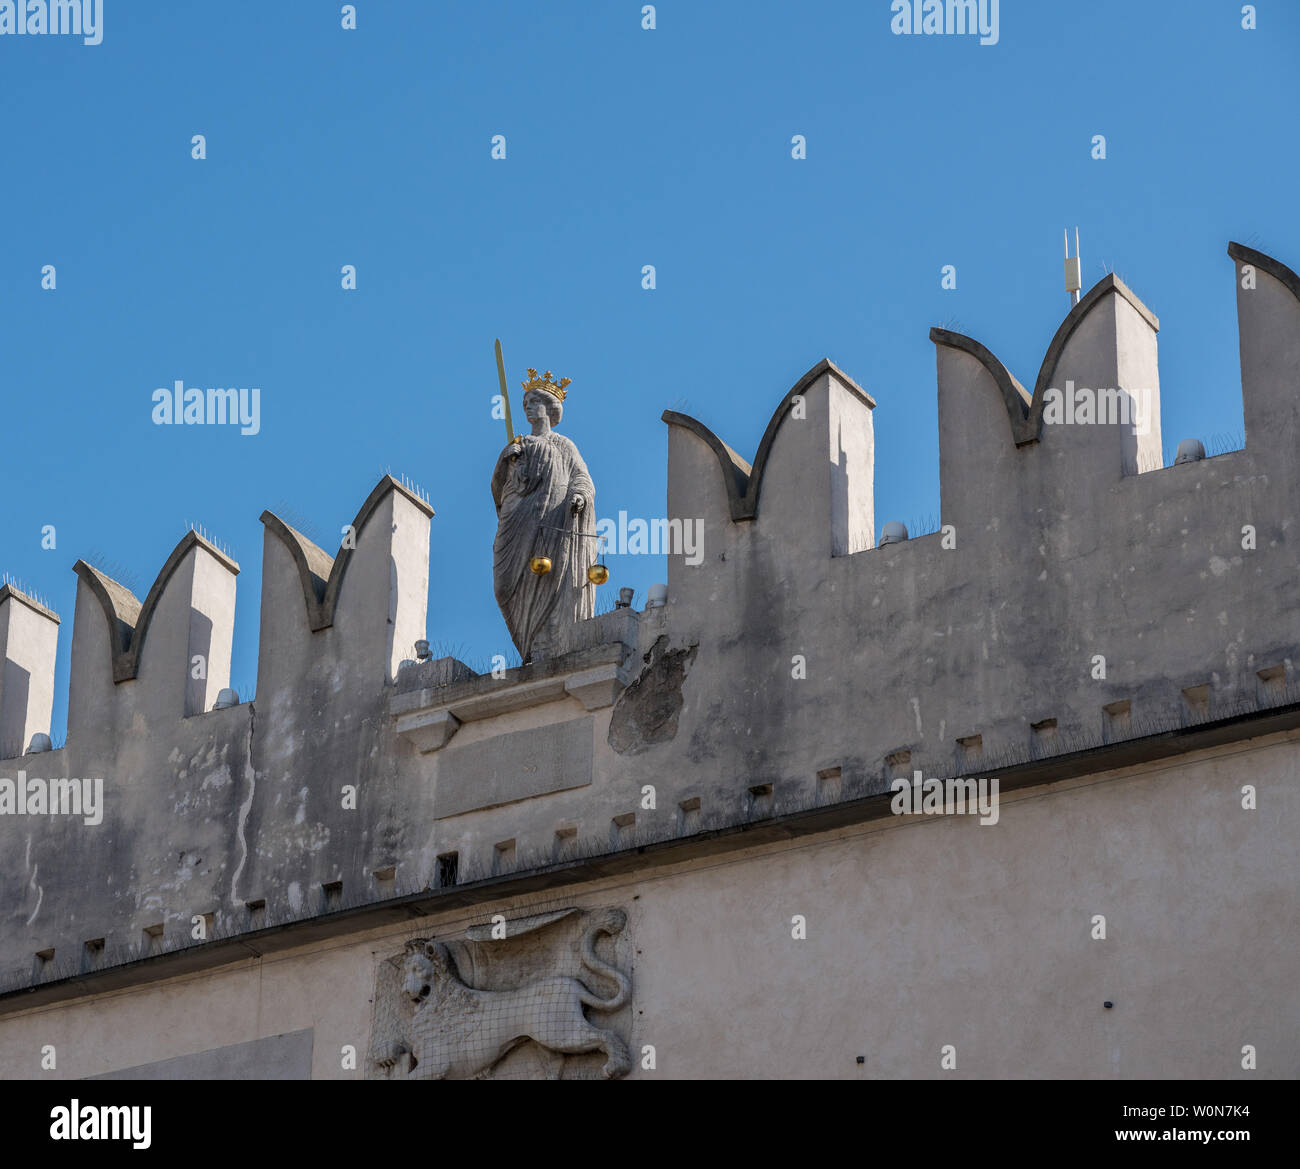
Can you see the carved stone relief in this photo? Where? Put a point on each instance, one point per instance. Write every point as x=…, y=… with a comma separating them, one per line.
x=539, y=997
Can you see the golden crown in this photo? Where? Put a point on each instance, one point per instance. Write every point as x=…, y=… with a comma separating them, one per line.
x=546, y=382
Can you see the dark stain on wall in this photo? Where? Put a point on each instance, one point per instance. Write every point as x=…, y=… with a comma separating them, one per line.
x=646, y=712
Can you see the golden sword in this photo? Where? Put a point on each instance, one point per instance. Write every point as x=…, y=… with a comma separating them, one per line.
x=511, y=436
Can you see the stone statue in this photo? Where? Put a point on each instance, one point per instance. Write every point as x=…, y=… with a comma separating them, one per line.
x=546, y=529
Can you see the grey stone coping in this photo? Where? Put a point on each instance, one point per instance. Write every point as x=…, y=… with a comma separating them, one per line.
x=8, y=592
x=1275, y=268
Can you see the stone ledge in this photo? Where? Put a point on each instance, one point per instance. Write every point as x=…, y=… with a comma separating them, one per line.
x=429, y=717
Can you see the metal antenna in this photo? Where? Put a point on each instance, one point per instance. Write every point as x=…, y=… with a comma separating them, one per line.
x=1073, y=271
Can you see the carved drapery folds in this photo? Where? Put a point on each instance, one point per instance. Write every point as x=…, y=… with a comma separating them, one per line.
x=535, y=493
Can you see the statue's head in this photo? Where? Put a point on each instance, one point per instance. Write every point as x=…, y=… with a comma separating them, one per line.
x=425, y=966
x=544, y=397
x=539, y=402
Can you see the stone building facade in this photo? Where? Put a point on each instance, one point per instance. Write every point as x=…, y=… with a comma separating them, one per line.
x=673, y=848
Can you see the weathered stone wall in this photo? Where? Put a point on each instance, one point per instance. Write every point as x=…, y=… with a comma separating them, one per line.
x=921, y=932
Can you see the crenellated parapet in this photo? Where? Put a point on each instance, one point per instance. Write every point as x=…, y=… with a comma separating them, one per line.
x=997, y=441
x=1072, y=575
x=366, y=604
x=174, y=647
x=1077, y=595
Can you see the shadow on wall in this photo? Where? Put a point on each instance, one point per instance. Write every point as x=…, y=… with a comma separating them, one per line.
x=196, y=688
x=16, y=688
x=840, y=496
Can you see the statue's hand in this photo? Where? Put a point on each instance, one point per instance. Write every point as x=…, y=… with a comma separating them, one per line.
x=577, y=503
x=514, y=450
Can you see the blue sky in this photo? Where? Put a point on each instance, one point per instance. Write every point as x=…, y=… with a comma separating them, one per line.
x=625, y=147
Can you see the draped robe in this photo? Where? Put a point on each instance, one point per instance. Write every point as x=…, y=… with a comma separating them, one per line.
x=533, y=494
